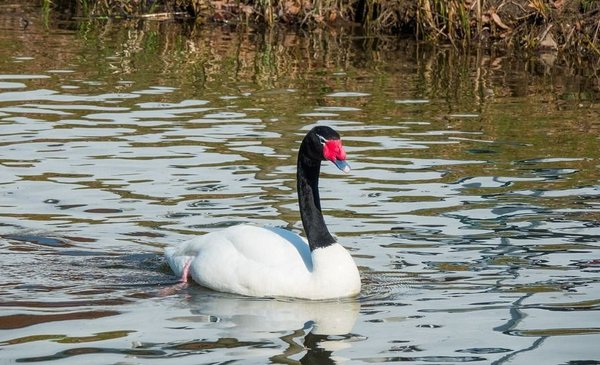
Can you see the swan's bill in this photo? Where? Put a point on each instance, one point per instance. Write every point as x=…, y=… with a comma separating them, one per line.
x=342, y=165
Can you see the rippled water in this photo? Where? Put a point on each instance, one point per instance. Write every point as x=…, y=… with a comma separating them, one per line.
x=472, y=208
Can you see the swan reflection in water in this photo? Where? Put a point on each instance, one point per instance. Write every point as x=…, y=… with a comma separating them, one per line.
x=318, y=327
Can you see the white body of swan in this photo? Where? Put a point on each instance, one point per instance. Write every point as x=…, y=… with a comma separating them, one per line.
x=258, y=261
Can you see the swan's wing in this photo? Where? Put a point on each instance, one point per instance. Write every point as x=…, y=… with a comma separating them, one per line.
x=253, y=261
x=270, y=246
x=242, y=256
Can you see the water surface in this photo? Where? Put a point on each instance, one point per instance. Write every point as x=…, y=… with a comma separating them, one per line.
x=472, y=208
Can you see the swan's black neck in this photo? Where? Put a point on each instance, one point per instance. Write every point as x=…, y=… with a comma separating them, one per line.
x=310, y=204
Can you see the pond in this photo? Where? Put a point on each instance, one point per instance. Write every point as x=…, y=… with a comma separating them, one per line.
x=472, y=209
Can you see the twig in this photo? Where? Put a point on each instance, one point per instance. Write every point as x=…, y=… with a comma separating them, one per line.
x=541, y=38
x=166, y=15
x=479, y=18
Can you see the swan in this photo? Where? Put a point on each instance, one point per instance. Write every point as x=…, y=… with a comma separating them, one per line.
x=268, y=261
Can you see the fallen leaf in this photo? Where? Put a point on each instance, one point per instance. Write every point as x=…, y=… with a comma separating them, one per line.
x=499, y=22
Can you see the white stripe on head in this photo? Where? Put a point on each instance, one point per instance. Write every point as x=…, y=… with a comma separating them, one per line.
x=321, y=138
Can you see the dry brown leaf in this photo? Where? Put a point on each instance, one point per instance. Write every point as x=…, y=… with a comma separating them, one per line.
x=548, y=42
x=291, y=8
x=499, y=22
x=246, y=9
x=332, y=16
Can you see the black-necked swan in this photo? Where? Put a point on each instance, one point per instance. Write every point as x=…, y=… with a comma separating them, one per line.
x=257, y=261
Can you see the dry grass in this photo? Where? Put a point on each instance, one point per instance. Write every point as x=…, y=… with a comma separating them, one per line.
x=531, y=24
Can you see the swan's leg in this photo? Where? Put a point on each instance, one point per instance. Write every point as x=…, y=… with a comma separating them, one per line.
x=186, y=271
x=183, y=281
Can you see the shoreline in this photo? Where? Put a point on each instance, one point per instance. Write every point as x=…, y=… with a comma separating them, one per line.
x=539, y=25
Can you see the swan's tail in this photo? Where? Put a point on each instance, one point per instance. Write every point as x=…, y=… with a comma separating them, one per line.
x=180, y=264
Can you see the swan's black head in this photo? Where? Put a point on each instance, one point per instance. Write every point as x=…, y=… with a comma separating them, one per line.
x=323, y=143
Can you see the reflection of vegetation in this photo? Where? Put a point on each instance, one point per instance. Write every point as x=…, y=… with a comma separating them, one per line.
x=101, y=336
x=32, y=338
x=558, y=332
x=46, y=8
x=221, y=343
x=200, y=61
x=282, y=76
